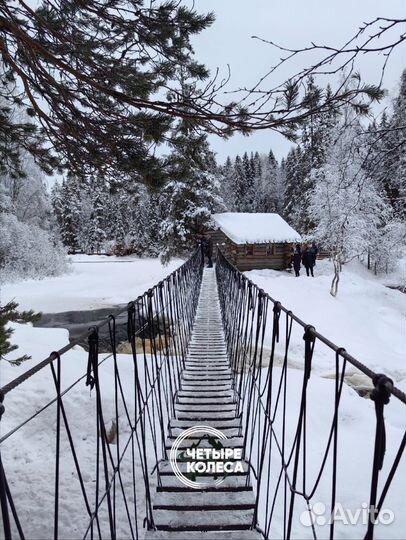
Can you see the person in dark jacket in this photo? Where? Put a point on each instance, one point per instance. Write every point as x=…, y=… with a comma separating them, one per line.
x=200, y=242
x=207, y=249
x=307, y=260
x=313, y=250
x=296, y=259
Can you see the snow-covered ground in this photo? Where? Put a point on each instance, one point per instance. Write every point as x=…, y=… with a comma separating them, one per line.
x=366, y=318
x=29, y=454
x=95, y=281
x=356, y=434
x=397, y=277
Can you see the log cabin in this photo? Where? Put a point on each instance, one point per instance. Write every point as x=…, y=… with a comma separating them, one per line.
x=254, y=240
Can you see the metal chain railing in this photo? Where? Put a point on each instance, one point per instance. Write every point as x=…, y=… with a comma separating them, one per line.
x=293, y=461
x=105, y=491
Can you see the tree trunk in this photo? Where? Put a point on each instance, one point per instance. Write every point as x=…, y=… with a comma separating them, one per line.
x=336, y=278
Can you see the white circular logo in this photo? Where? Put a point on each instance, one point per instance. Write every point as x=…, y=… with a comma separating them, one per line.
x=314, y=516
x=200, y=457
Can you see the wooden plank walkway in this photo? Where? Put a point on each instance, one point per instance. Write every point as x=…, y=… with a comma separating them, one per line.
x=223, y=512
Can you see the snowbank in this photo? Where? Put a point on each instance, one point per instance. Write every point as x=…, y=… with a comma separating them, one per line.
x=366, y=318
x=95, y=281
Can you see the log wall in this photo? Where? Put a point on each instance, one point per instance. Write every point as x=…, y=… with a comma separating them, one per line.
x=253, y=256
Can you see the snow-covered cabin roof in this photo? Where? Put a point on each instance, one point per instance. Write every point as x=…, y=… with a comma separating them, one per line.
x=251, y=228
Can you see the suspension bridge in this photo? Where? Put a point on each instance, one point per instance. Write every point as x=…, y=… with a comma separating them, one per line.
x=199, y=385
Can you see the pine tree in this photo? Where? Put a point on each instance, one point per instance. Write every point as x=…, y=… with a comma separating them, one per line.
x=9, y=313
x=98, y=66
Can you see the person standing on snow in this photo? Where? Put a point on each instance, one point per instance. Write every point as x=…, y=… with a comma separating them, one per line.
x=313, y=250
x=296, y=259
x=307, y=260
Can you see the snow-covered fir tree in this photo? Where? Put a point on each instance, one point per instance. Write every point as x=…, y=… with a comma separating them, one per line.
x=192, y=193
x=386, y=160
x=253, y=184
x=69, y=208
x=227, y=187
x=309, y=155
x=294, y=188
x=270, y=186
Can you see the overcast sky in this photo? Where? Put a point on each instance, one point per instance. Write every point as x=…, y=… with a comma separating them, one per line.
x=292, y=23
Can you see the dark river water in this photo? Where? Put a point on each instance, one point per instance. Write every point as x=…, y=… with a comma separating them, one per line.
x=78, y=322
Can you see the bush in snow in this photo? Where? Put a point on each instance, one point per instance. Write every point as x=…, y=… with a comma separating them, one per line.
x=27, y=251
x=388, y=247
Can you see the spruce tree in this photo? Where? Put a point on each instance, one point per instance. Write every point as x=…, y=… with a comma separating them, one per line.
x=314, y=142
x=192, y=193
x=68, y=207
x=386, y=159
x=227, y=187
x=240, y=185
x=9, y=313
x=397, y=134
x=294, y=194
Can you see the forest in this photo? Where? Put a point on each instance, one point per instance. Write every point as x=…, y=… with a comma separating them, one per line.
x=107, y=150
x=340, y=185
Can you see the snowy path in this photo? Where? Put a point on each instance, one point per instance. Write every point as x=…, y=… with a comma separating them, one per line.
x=206, y=398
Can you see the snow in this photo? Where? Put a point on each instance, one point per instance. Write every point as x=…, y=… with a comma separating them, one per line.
x=366, y=318
x=397, y=277
x=356, y=433
x=95, y=281
x=256, y=228
x=29, y=454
